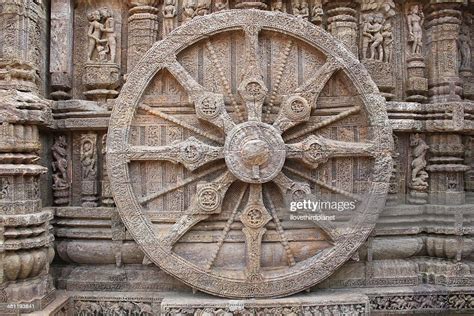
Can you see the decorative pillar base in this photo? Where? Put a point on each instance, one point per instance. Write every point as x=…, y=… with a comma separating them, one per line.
x=417, y=85
x=101, y=80
x=382, y=74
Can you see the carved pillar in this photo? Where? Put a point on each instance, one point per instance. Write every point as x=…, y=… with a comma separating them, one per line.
x=446, y=169
x=22, y=45
x=26, y=249
x=443, y=26
x=342, y=22
x=89, y=169
x=60, y=66
x=25, y=240
x=143, y=29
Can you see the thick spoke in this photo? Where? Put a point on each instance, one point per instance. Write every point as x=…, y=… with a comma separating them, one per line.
x=226, y=230
x=185, y=79
x=252, y=88
x=180, y=184
x=191, y=153
x=326, y=122
x=311, y=89
x=254, y=217
x=316, y=150
x=296, y=190
x=181, y=123
x=208, y=201
x=324, y=185
x=295, y=110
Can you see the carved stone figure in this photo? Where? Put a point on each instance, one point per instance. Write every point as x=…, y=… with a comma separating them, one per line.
x=317, y=12
x=89, y=169
x=108, y=31
x=415, y=21
x=301, y=8
x=221, y=5
x=465, y=47
x=169, y=14
x=277, y=5
x=94, y=33
x=419, y=176
x=203, y=7
x=387, y=42
x=367, y=36
x=101, y=34
x=377, y=38
x=4, y=188
x=189, y=10
x=59, y=166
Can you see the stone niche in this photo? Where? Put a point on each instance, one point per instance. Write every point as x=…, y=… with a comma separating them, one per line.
x=152, y=164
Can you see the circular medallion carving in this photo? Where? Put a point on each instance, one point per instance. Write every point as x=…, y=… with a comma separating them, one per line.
x=210, y=208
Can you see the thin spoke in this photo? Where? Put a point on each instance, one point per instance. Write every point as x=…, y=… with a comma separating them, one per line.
x=224, y=81
x=281, y=232
x=181, y=123
x=322, y=124
x=180, y=184
x=279, y=75
x=324, y=185
x=226, y=230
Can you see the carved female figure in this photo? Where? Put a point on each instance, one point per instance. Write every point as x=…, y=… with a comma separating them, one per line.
x=415, y=22
x=419, y=160
x=169, y=12
x=109, y=32
x=465, y=47
x=367, y=36
x=59, y=164
x=94, y=33
x=88, y=160
x=387, y=41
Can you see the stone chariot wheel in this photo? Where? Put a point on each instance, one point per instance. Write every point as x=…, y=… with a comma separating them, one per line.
x=226, y=122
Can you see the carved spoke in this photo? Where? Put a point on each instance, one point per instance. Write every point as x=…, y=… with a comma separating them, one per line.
x=208, y=201
x=311, y=89
x=226, y=228
x=284, y=241
x=254, y=217
x=185, y=79
x=316, y=150
x=181, y=184
x=326, y=122
x=191, y=153
x=252, y=89
x=324, y=185
x=225, y=83
x=181, y=123
x=297, y=190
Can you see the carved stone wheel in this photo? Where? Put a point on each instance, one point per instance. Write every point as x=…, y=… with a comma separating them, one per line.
x=221, y=124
